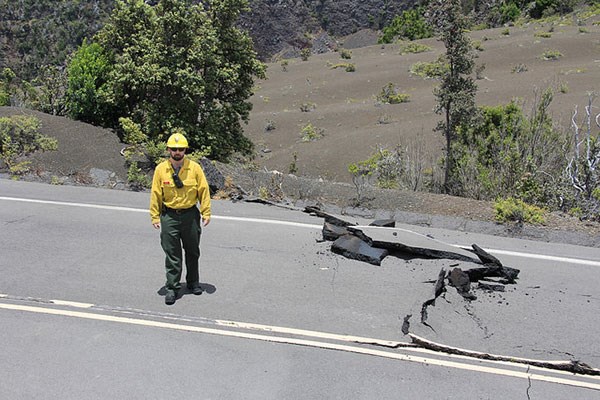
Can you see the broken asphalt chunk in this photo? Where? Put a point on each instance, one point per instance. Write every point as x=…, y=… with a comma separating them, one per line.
x=460, y=280
x=485, y=257
x=328, y=217
x=352, y=247
x=507, y=274
x=403, y=240
x=384, y=223
x=331, y=232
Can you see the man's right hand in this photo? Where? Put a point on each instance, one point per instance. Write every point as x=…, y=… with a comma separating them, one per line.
x=156, y=225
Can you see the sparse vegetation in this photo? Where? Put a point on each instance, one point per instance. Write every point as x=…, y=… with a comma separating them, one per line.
x=414, y=48
x=346, y=54
x=390, y=95
x=551, y=55
x=20, y=136
x=305, y=54
x=348, y=67
x=519, y=68
x=308, y=107
x=270, y=125
x=310, y=133
x=429, y=70
x=515, y=210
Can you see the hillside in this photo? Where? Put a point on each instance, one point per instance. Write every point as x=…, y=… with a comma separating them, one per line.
x=34, y=33
x=343, y=104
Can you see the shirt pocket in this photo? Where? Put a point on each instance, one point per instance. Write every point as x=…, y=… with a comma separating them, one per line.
x=189, y=185
x=169, y=191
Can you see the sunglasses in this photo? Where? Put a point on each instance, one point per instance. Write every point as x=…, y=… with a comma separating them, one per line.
x=177, y=149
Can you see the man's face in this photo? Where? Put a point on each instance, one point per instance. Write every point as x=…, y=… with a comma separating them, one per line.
x=176, y=154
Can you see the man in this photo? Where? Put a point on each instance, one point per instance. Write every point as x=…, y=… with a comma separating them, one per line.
x=178, y=185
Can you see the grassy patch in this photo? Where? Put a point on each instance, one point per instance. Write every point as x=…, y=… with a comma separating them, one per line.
x=551, y=55
x=414, y=48
x=429, y=70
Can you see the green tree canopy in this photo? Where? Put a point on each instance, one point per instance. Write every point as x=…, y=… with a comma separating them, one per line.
x=410, y=25
x=178, y=65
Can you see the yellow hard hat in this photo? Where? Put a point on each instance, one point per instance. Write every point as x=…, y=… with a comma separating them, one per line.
x=177, y=141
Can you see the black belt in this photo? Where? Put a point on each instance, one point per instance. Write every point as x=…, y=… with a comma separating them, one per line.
x=178, y=210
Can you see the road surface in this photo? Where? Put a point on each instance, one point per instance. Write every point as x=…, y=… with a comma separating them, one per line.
x=82, y=316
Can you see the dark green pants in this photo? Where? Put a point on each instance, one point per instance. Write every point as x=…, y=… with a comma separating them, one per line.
x=179, y=230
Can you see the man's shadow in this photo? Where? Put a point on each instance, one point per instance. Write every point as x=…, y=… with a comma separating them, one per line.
x=206, y=288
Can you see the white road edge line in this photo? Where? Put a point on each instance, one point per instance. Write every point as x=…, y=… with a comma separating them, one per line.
x=571, y=260
x=308, y=343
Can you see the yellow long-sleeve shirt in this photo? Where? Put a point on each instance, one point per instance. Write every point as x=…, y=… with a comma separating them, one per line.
x=164, y=192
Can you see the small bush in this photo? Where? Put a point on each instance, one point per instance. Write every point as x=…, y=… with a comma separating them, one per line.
x=516, y=210
x=414, y=48
x=310, y=133
x=517, y=69
x=429, y=70
x=505, y=32
x=389, y=95
x=346, y=54
x=551, y=55
x=349, y=67
x=545, y=35
x=307, y=107
x=20, y=136
x=305, y=54
x=477, y=45
x=270, y=125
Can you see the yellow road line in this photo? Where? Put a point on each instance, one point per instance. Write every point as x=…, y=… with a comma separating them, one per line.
x=308, y=343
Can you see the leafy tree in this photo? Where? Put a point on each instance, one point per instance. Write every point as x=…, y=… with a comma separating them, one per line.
x=456, y=92
x=503, y=153
x=178, y=65
x=410, y=25
x=87, y=77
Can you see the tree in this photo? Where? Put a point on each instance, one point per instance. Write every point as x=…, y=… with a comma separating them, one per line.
x=180, y=65
x=456, y=92
x=87, y=77
x=409, y=25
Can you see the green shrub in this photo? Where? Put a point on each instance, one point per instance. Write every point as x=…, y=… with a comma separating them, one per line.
x=137, y=178
x=346, y=54
x=414, y=48
x=551, y=55
x=511, y=209
x=545, y=35
x=509, y=12
x=305, y=54
x=310, y=133
x=20, y=136
x=410, y=25
x=348, y=67
x=429, y=70
x=389, y=95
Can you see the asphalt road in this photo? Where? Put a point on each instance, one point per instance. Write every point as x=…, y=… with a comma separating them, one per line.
x=82, y=316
